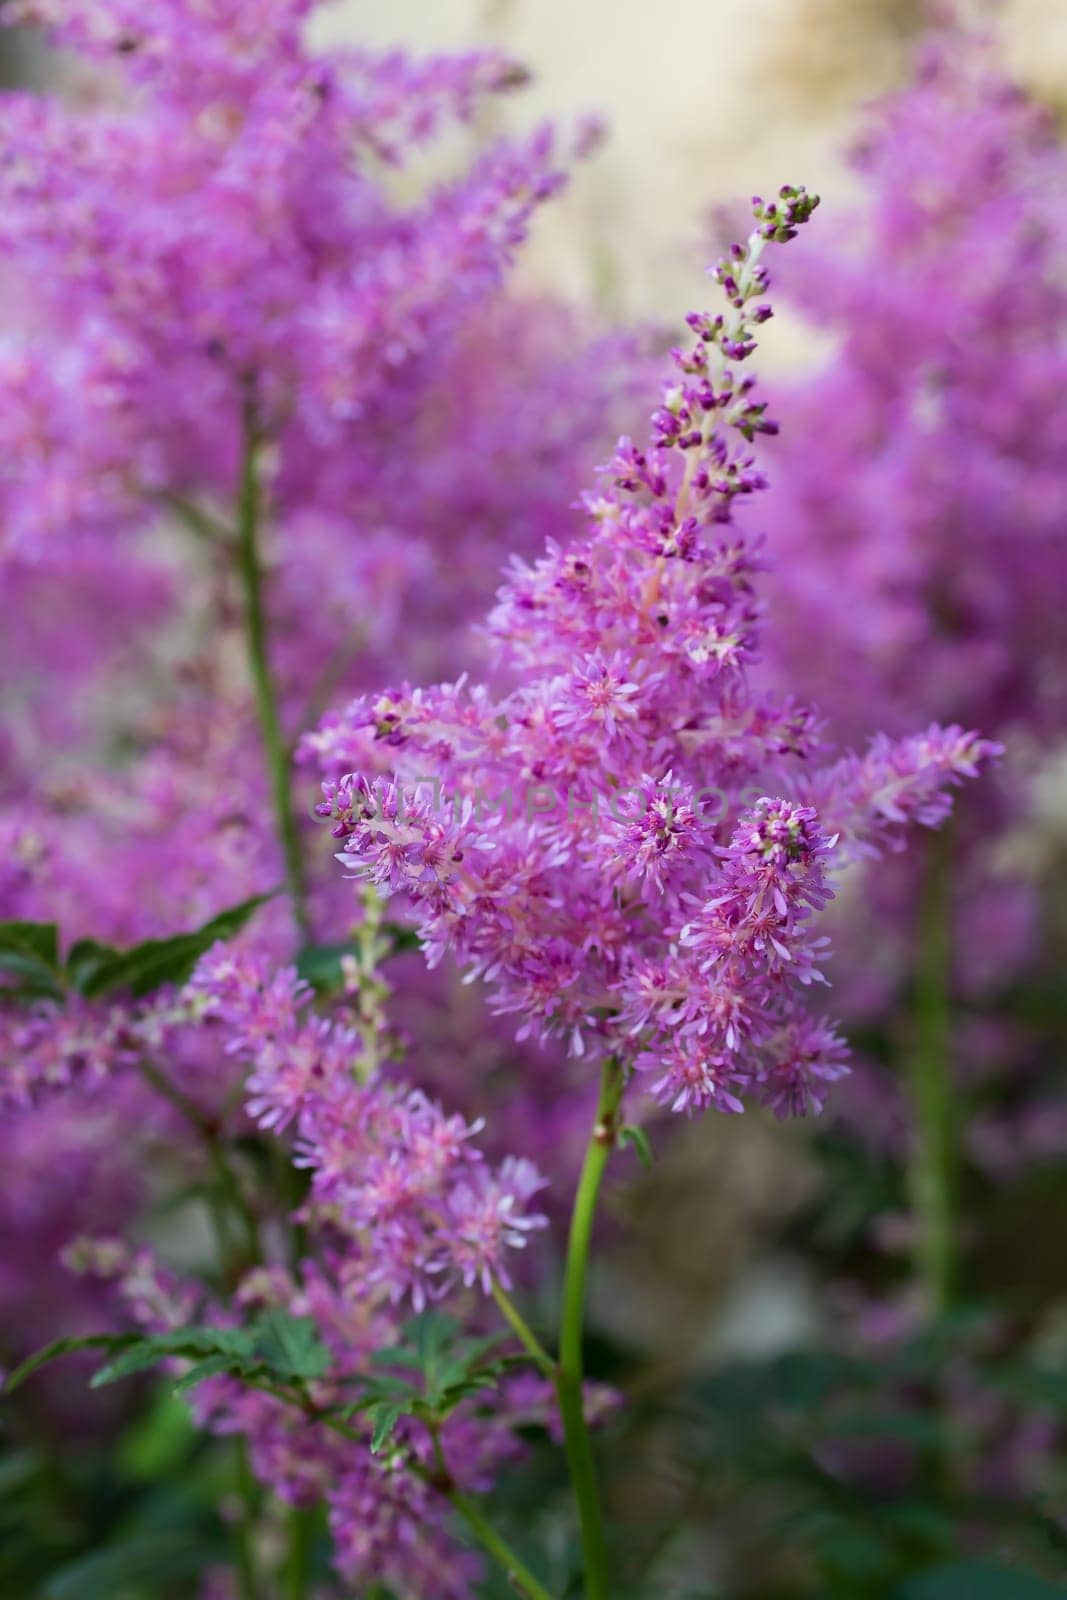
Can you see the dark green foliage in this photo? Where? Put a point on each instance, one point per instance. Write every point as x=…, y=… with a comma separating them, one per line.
x=277, y=1348
x=29, y=953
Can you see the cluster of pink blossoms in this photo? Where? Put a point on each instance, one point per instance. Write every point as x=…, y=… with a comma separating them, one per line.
x=934, y=501
x=419, y=1209
x=600, y=844
x=266, y=247
x=262, y=266
x=416, y=420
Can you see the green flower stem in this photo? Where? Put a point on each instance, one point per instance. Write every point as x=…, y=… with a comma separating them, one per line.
x=229, y=1184
x=569, y=1374
x=197, y=520
x=249, y=508
x=933, y=1159
x=519, y=1575
x=523, y=1332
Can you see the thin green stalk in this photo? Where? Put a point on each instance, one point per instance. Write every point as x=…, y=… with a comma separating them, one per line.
x=249, y=509
x=522, y=1330
x=228, y=1182
x=518, y=1573
x=933, y=1159
x=197, y=520
x=230, y=1187
x=569, y=1374
x=177, y=1097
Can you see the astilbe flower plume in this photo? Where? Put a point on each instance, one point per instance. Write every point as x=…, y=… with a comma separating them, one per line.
x=413, y=419
x=603, y=843
x=934, y=502
x=402, y=1182
x=402, y=1208
x=265, y=246
x=262, y=265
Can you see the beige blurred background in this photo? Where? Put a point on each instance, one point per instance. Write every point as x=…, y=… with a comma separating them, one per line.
x=706, y=101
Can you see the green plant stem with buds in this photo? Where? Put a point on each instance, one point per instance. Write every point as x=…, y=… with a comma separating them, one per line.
x=933, y=1160
x=571, y=1366
x=275, y=748
x=278, y=756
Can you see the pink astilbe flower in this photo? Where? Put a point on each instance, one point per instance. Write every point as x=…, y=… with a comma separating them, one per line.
x=414, y=417
x=401, y=1180
x=934, y=502
x=934, y=499
x=53, y=1046
x=898, y=781
x=262, y=265
x=588, y=843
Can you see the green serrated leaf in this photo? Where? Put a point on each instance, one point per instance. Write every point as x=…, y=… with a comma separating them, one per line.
x=37, y=939
x=471, y=1353
x=396, y=1355
x=320, y=965
x=385, y=1418
x=86, y=958
x=30, y=950
x=433, y=1332
x=387, y=1388
x=155, y=962
x=452, y=1395
x=290, y=1346
x=235, y=1345
x=210, y=1367
x=140, y=1359
x=639, y=1140
x=64, y=1347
